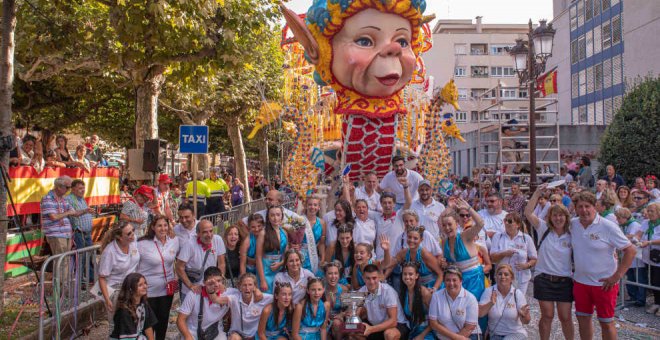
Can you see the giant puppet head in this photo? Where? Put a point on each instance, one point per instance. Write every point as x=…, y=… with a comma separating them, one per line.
x=364, y=49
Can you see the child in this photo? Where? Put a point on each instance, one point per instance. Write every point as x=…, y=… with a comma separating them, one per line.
x=310, y=317
x=275, y=321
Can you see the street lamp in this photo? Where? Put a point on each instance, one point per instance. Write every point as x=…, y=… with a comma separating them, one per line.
x=529, y=58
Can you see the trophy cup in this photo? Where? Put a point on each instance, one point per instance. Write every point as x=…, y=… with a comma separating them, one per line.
x=352, y=322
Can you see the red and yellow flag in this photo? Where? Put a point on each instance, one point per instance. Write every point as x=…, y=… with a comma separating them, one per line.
x=547, y=82
x=27, y=186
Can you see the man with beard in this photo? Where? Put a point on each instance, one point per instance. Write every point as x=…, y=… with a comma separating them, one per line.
x=392, y=183
x=426, y=205
x=493, y=215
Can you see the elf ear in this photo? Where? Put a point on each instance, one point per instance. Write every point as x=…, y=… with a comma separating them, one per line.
x=302, y=34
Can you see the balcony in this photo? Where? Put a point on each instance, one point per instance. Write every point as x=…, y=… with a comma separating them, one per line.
x=479, y=49
x=479, y=71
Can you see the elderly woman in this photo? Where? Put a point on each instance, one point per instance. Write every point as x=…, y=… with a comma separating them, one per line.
x=137, y=209
x=606, y=205
x=651, y=251
x=624, y=197
x=453, y=311
x=515, y=248
x=637, y=271
x=506, y=307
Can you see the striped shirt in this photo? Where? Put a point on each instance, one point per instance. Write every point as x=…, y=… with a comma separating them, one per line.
x=84, y=221
x=51, y=204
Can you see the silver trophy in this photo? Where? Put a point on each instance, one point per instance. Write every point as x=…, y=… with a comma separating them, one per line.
x=353, y=300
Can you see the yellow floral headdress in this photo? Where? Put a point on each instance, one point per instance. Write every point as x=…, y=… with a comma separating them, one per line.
x=326, y=18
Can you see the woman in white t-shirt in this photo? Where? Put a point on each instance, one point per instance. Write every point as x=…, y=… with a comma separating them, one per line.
x=553, y=282
x=119, y=257
x=454, y=310
x=515, y=248
x=294, y=274
x=506, y=307
x=365, y=227
x=637, y=271
x=651, y=246
x=158, y=249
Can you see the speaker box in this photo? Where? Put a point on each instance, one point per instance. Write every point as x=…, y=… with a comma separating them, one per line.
x=154, y=158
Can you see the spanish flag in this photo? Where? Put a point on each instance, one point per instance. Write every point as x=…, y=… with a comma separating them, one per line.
x=547, y=82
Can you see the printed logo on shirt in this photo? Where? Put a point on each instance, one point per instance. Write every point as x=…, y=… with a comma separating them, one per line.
x=594, y=236
x=459, y=312
x=566, y=244
x=520, y=246
x=134, y=252
x=510, y=305
x=254, y=311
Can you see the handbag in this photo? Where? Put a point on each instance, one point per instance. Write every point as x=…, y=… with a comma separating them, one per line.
x=211, y=332
x=171, y=286
x=195, y=274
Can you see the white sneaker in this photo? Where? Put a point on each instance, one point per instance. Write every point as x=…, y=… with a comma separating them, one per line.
x=652, y=309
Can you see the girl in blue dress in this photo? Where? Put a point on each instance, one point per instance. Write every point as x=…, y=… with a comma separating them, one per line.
x=363, y=257
x=249, y=244
x=271, y=246
x=310, y=318
x=429, y=270
x=344, y=249
x=312, y=207
x=275, y=321
x=333, y=290
x=415, y=300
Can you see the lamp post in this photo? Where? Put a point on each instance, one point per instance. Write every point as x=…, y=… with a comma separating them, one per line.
x=529, y=58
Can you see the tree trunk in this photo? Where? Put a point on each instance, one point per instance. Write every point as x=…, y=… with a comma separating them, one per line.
x=6, y=92
x=203, y=164
x=147, y=91
x=264, y=160
x=234, y=132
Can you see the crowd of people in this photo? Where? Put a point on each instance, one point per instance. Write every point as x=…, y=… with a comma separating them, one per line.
x=55, y=153
x=452, y=269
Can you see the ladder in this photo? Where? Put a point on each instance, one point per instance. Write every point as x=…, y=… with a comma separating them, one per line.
x=503, y=139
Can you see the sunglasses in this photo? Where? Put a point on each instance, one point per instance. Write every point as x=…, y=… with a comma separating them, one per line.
x=464, y=215
x=554, y=201
x=638, y=198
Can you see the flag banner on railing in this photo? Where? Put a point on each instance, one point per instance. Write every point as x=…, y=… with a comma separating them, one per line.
x=28, y=186
x=547, y=82
x=17, y=249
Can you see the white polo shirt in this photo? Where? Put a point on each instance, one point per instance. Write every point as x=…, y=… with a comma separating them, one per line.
x=554, y=256
x=494, y=223
x=391, y=227
x=115, y=265
x=330, y=229
x=364, y=231
x=245, y=316
x=184, y=234
x=524, y=251
x=373, y=200
x=432, y=211
x=655, y=235
x=391, y=183
x=454, y=313
x=632, y=229
x=193, y=255
x=503, y=315
x=377, y=304
x=300, y=286
x=428, y=242
x=151, y=265
x=594, y=248
x=213, y=312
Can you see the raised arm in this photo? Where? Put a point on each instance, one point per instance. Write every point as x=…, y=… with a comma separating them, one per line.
x=529, y=209
x=471, y=233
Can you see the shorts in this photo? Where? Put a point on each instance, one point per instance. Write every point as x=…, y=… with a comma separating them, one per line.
x=402, y=327
x=587, y=297
x=553, y=288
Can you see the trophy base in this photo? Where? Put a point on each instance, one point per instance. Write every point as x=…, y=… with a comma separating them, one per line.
x=352, y=328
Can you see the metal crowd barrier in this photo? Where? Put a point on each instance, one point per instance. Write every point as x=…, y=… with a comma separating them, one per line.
x=642, y=279
x=236, y=213
x=70, y=287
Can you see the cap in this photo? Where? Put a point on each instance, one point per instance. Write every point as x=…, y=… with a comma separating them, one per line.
x=424, y=182
x=164, y=178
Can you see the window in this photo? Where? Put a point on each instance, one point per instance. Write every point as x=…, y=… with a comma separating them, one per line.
x=616, y=70
x=573, y=12
x=600, y=117
x=508, y=93
x=575, y=56
x=591, y=113
x=614, y=2
x=474, y=116
x=459, y=71
x=607, y=35
x=502, y=71
x=478, y=49
x=588, y=10
x=598, y=77
x=522, y=93
x=606, y=4
x=597, y=5
x=590, y=43
x=479, y=71
x=476, y=93
x=463, y=93
x=460, y=49
x=574, y=85
x=582, y=47
x=616, y=29
x=590, y=79
x=499, y=49
x=598, y=42
x=575, y=115
x=607, y=108
x=583, y=82
x=607, y=73
x=461, y=116
x=580, y=12
x=582, y=114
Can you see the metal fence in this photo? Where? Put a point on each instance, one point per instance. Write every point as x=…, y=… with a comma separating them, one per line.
x=234, y=215
x=635, y=278
x=62, y=298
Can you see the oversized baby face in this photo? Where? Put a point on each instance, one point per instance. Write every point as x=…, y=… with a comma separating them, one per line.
x=372, y=54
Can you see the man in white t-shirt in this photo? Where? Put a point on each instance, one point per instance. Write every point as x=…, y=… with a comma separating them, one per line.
x=597, y=272
x=493, y=215
x=426, y=205
x=391, y=181
x=387, y=222
x=382, y=310
x=368, y=192
x=246, y=308
x=204, y=251
x=185, y=229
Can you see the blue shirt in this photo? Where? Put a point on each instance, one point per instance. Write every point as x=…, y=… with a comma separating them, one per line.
x=84, y=221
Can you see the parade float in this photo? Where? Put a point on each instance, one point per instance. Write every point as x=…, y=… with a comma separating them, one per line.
x=356, y=93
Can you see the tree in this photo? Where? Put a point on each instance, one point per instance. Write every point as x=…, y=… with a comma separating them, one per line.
x=6, y=90
x=631, y=142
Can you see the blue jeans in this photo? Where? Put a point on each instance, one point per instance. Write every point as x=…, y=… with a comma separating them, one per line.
x=640, y=275
x=83, y=240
